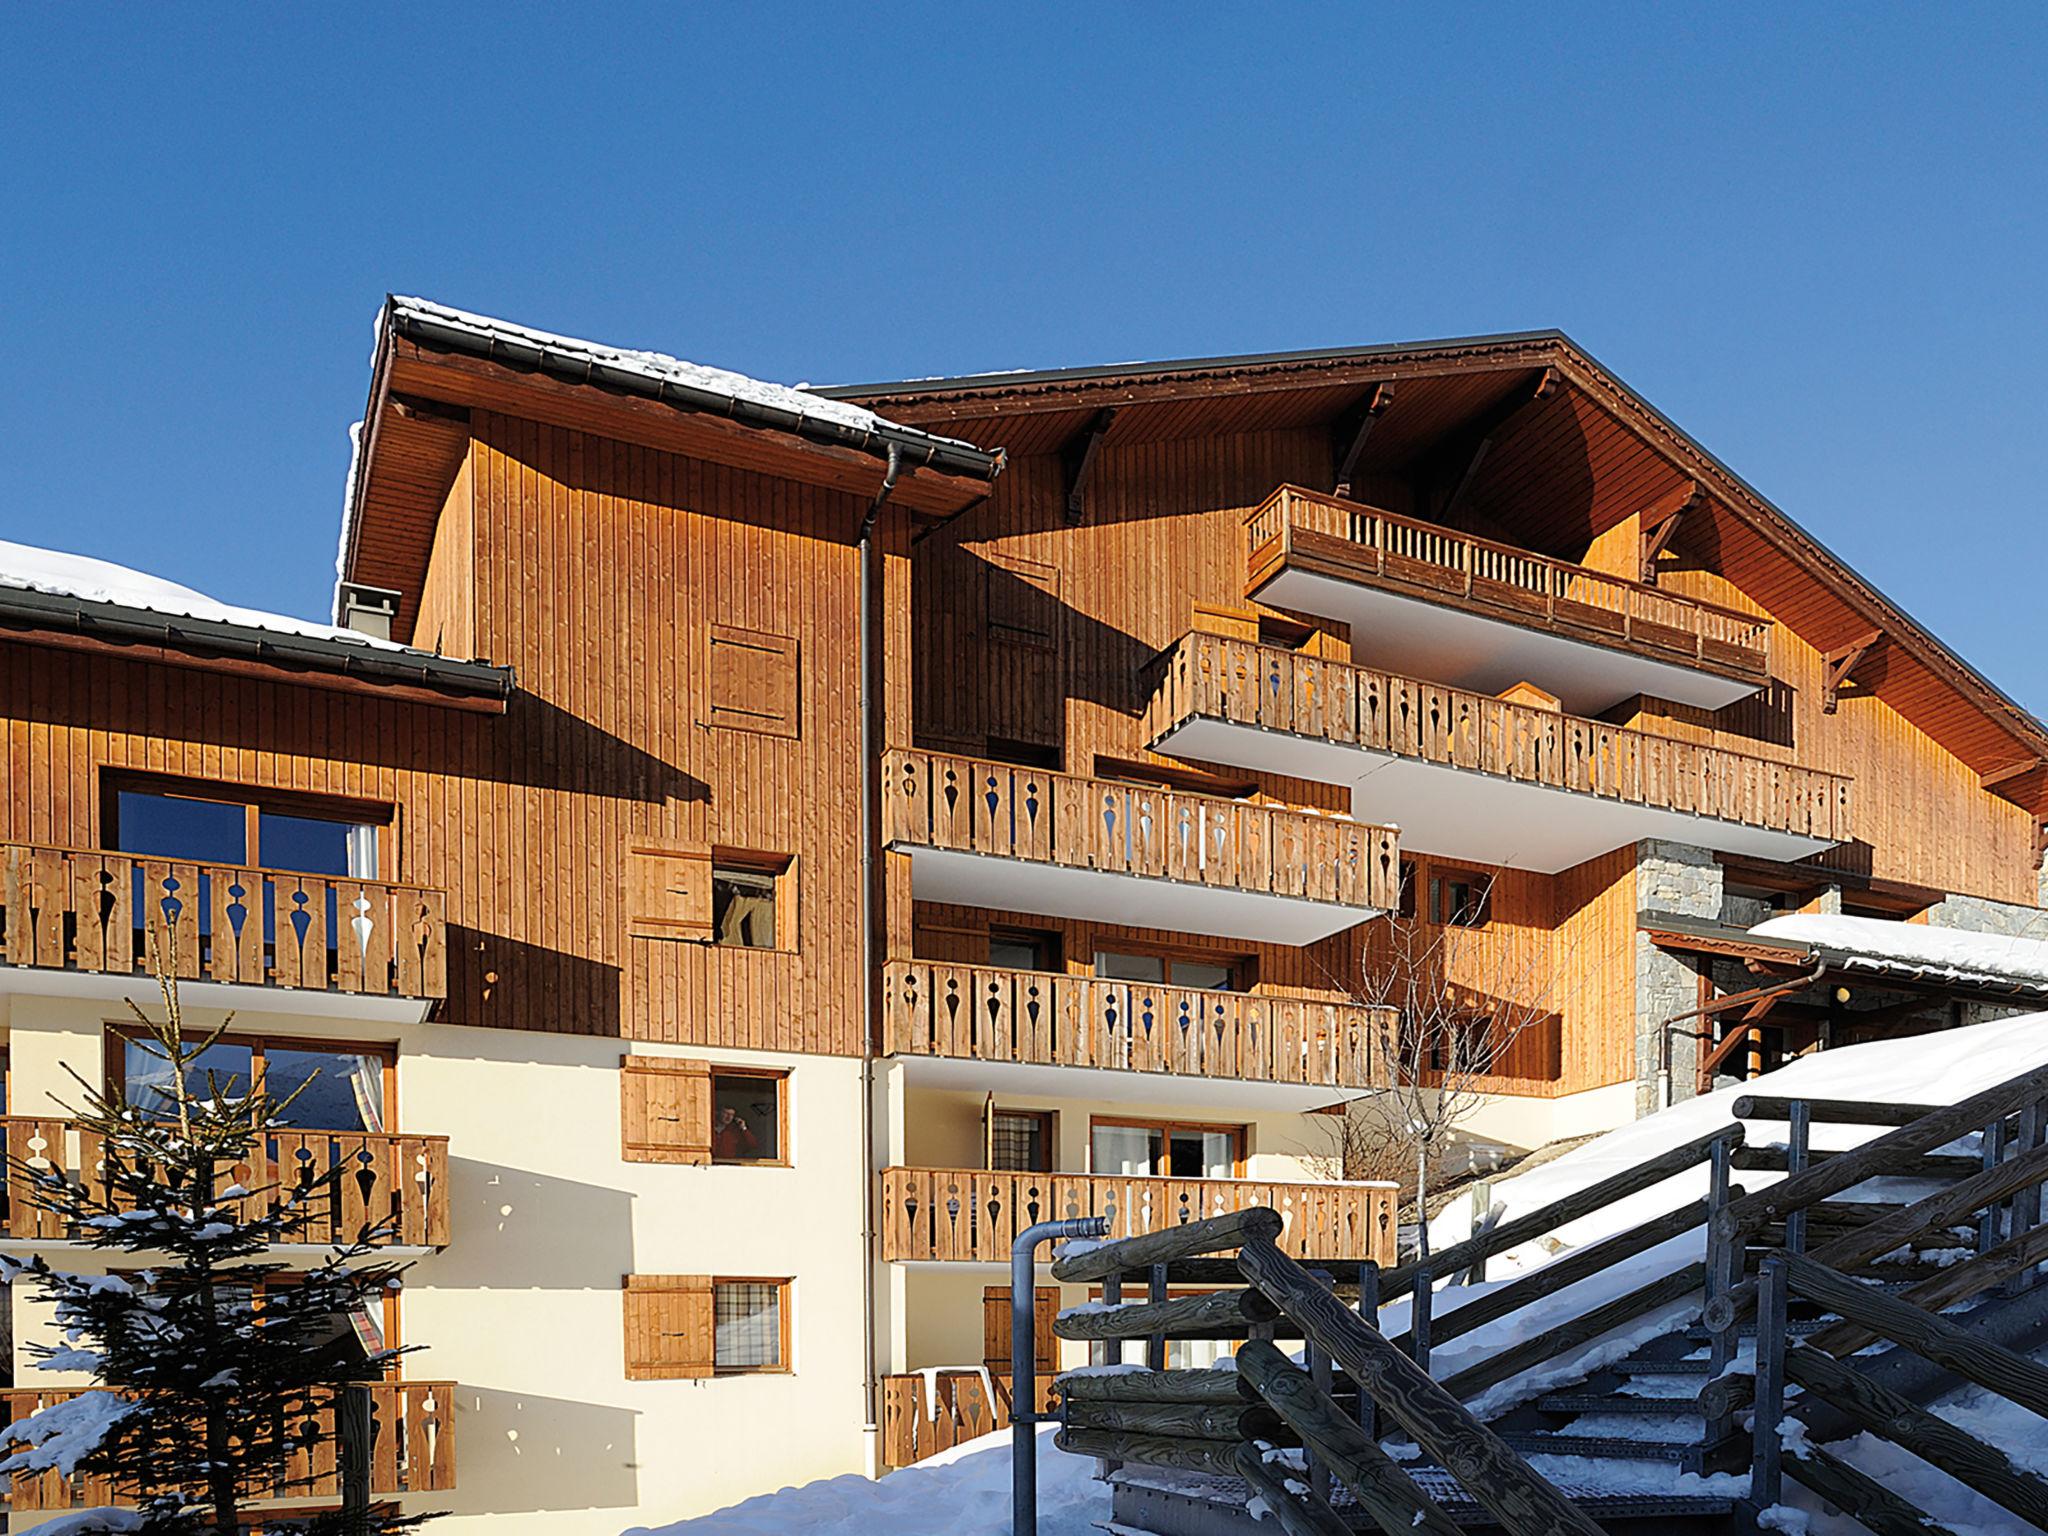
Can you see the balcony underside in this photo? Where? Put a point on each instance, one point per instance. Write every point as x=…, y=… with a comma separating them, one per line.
x=1106, y=896
x=1462, y=814
x=1029, y=1079
x=1469, y=650
x=245, y=998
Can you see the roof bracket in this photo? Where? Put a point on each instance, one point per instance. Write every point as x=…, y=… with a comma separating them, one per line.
x=1079, y=458
x=1659, y=521
x=1349, y=432
x=1841, y=664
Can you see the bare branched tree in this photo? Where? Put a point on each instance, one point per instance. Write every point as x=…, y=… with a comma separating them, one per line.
x=1472, y=1007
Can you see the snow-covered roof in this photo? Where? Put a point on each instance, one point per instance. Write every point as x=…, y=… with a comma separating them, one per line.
x=1943, y=954
x=96, y=594
x=27, y=568
x=525, y=342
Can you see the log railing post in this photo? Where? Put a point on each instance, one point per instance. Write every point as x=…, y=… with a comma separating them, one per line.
x=2026, y=1205
x=1992, y=1149
x=1112, y=1295
x=1724, y=1263
x=1799, y=1118
x=1419, y=1303
x=1766, y=1467
x=1369, y=1314
x=1316, y=1360
x=1155, y=1346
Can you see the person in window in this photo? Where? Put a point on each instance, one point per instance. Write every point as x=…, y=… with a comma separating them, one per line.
x=732, y=1139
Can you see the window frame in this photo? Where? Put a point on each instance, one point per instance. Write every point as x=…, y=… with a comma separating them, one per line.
x=392, y=1323
x=1480, y=908
x=254, y=799
x=778, y=867
x=1050, y=944
x=117, y=1036
x=1240, y=1135
x=1243, y=968
x=780, y=1077
x=1048, y=1125
x=785, y=1365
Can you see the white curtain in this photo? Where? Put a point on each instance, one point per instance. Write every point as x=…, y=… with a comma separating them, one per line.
x=362, y=853
x=366, y=1077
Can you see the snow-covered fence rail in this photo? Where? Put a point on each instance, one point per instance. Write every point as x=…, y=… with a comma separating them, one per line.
x=412, y=1450
x=93, y=911
x=346, y=1181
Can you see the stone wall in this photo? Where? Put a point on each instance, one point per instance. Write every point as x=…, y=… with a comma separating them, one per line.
x=1679, y=881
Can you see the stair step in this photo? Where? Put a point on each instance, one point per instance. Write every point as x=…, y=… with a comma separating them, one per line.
x=1797, y=1328
x=1663, y=1367
x=1539, y=1442
x=1618, y=1402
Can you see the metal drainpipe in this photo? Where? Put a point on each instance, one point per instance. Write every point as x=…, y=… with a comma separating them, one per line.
x=1024, y=1414
x=870, y=737
x=1723, y=1005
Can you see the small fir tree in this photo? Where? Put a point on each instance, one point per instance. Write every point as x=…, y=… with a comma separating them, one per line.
x=218, y=1369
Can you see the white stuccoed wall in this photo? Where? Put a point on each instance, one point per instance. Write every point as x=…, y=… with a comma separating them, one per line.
x=525, y=1310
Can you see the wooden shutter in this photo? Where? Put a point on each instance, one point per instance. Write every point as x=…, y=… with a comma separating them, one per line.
x=664, y=1110
x=668, y=892
x=753, y=681
x=995, y=1328
x=670, y=1328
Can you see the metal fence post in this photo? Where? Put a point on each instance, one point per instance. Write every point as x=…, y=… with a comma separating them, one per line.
x=1419, y=1302
x=1319, y=1372
x=1155, y=1346
x=1024, y=1414
x=1767, y=1468
x=1724, y=1262
x=1993, y=1151
x=2026, y=1205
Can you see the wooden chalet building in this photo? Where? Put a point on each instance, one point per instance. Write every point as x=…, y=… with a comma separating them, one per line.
x=749, y=851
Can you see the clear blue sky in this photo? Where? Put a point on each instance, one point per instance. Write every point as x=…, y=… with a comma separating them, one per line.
x=1818, y=243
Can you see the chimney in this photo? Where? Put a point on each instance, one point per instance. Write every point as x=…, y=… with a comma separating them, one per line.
x=368, y=610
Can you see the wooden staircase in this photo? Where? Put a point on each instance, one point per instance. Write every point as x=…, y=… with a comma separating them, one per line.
x=1646, y=1410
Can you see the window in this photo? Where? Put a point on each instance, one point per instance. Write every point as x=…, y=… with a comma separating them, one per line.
x=747, y=1117
x=753, y=681
x=332, y=1087
x=1166, y=1148
x=748, y=893
x=1208, y=974
x=223, y=825
x=1024, y=949
x=681, y=1111
x=1025, y=754
x=1459, y=899
x=1020, y=1140
x=751, y=1320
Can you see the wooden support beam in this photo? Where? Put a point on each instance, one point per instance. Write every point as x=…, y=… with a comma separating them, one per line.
x=2020, y=768
x=1350, y=431
x=1079, y=457
x=1659, y=521
x=1495, y=426
x=1842, y=663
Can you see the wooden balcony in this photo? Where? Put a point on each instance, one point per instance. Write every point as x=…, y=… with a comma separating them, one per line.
x=960, y=1405
x=1486, y=615
x=984, y=1013
x=397, y=1184
x=412, y=1450
x=97, y=913
x=972, y=1215
x=996, y=835
x=1474, y=777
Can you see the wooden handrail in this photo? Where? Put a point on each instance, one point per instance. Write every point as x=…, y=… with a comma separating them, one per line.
x=974, y=1214
x=987, y=1013
x=1242, y=683
x=1349, y=519
x=1513, y=1492
x=108, y=913
x=1581, y=1203
x=395, y=1183
x=972, y=805
x=412, y=1450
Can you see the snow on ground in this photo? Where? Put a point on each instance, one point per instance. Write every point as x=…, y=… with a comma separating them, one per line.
x=51, y=571
x=1947, y=952
x=961, y=1492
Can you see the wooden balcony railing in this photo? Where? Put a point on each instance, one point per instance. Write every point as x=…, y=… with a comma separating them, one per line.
x=412, y=1450
x=396, y=1184
x=1402, y=554
x=960, y=1405
x=972, y=1214
x=1209, y=677
x=968, y=805
x=983, y=1013
x=76, y=910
